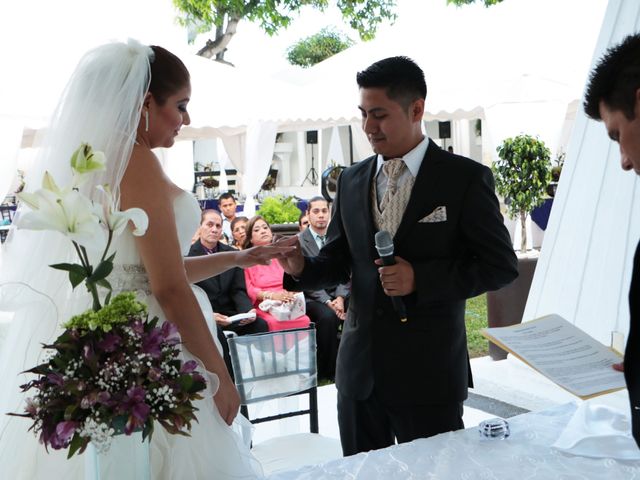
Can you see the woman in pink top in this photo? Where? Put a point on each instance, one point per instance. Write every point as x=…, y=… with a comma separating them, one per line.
x=264, y=282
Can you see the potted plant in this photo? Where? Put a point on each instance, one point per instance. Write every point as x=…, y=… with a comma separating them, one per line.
x=522, y=175
x=281, y=213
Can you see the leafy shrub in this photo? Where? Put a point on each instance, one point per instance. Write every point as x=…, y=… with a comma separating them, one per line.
x=279, y=209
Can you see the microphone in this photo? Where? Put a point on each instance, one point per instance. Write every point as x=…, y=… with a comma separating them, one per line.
x=384, y=246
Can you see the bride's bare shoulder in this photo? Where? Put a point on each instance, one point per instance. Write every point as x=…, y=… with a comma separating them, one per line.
x=144, y=176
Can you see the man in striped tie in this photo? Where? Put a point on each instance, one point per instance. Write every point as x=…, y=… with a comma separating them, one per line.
x=326, y=307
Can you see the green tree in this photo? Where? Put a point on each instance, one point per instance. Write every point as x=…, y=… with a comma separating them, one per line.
x=522, y=175
x=202, y=16
x=316, y=48
x=460, y=3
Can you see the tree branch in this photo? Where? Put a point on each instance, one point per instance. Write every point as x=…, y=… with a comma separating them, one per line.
x=219, y=44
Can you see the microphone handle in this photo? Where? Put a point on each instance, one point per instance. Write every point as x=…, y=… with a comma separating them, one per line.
x=398, y=304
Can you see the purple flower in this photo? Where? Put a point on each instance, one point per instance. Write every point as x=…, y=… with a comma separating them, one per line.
x=56, y=379
x=62, y=436
x=152, y=342
x=137, y=326
x=110, y=342
x=170, y=333
x=104, y=398
x=135, y=407
x=188, y=367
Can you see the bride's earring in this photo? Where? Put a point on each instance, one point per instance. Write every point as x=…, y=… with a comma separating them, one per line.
x=146, y=120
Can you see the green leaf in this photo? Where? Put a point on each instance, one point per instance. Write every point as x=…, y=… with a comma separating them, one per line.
x=104, y=283
x=101, y=272
x=76, y=442
x=76, y=278
x=69, y=411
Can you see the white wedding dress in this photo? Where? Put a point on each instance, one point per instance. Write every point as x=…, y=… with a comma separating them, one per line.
x=213, y=451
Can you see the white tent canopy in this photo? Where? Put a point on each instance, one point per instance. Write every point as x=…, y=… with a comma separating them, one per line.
x=516, y=54
x=518, y=60
x=585, y=265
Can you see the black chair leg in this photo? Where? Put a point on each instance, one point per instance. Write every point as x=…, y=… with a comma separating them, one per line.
x=313, y=415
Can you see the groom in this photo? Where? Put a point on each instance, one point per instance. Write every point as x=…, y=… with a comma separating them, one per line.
x=402, y=380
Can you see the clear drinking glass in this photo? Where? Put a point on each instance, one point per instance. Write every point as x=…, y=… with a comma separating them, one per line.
x=494, y=429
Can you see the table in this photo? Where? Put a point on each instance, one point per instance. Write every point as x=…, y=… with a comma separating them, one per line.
x=526, y=454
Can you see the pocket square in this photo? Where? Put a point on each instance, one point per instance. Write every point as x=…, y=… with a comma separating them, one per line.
x=438, y=215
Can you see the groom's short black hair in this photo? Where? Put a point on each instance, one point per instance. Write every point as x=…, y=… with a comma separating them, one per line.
x=402, y=79
x=615, y=80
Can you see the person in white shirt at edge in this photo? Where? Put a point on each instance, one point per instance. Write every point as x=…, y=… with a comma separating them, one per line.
x=227, y=204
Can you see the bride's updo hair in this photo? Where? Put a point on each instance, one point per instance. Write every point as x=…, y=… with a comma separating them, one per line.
x=168, y=74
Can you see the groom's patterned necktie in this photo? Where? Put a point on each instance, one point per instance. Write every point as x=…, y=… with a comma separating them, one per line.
x=393, y=169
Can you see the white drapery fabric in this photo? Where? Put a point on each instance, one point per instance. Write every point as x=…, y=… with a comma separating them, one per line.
x=251, y=154
x=584, y=269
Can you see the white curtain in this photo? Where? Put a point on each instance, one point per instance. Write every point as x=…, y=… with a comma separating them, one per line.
x=251, y=154
x=584, y=269
x=335, y=154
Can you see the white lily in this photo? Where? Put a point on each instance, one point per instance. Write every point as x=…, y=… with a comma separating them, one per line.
x=117, y=220
x=85, y=161
x=67, y=212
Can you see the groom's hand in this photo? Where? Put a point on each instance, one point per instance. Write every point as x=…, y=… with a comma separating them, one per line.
x=397, y=280
x=293, y=261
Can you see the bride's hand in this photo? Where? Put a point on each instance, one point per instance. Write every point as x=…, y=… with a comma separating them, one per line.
x=227, y=400
x=262, y=255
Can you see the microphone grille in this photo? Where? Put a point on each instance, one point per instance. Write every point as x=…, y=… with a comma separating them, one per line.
x=383, y=239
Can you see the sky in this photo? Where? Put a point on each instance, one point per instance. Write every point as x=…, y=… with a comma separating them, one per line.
x=42, y=40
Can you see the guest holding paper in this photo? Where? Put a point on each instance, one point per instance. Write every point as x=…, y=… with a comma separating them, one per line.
x=227, y=291
x=613, y=96
x=265, y=282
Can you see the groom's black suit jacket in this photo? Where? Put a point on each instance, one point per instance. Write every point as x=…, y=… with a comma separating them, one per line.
x=425, y=359
x=632, y=350
x=310, y=248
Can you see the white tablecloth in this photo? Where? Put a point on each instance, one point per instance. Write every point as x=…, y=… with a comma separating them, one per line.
x=526, y=454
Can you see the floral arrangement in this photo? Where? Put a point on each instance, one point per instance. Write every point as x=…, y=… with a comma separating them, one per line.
x=113, y=370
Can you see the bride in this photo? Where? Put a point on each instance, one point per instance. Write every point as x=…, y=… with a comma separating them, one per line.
x=123, y=99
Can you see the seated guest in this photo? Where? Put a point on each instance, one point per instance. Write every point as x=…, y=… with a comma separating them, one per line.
x=227, y=205
x=264, y=282
x=227, y=292
x=325, y=307
x=239, y=231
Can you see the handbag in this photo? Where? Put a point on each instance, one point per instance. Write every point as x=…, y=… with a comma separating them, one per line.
x=284, y=311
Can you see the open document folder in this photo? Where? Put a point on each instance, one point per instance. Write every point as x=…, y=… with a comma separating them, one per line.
x=563, y=353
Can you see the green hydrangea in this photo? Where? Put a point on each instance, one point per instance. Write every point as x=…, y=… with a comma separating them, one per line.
x=118, y=311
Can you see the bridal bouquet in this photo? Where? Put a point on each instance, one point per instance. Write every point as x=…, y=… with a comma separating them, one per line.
x=113, y=370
